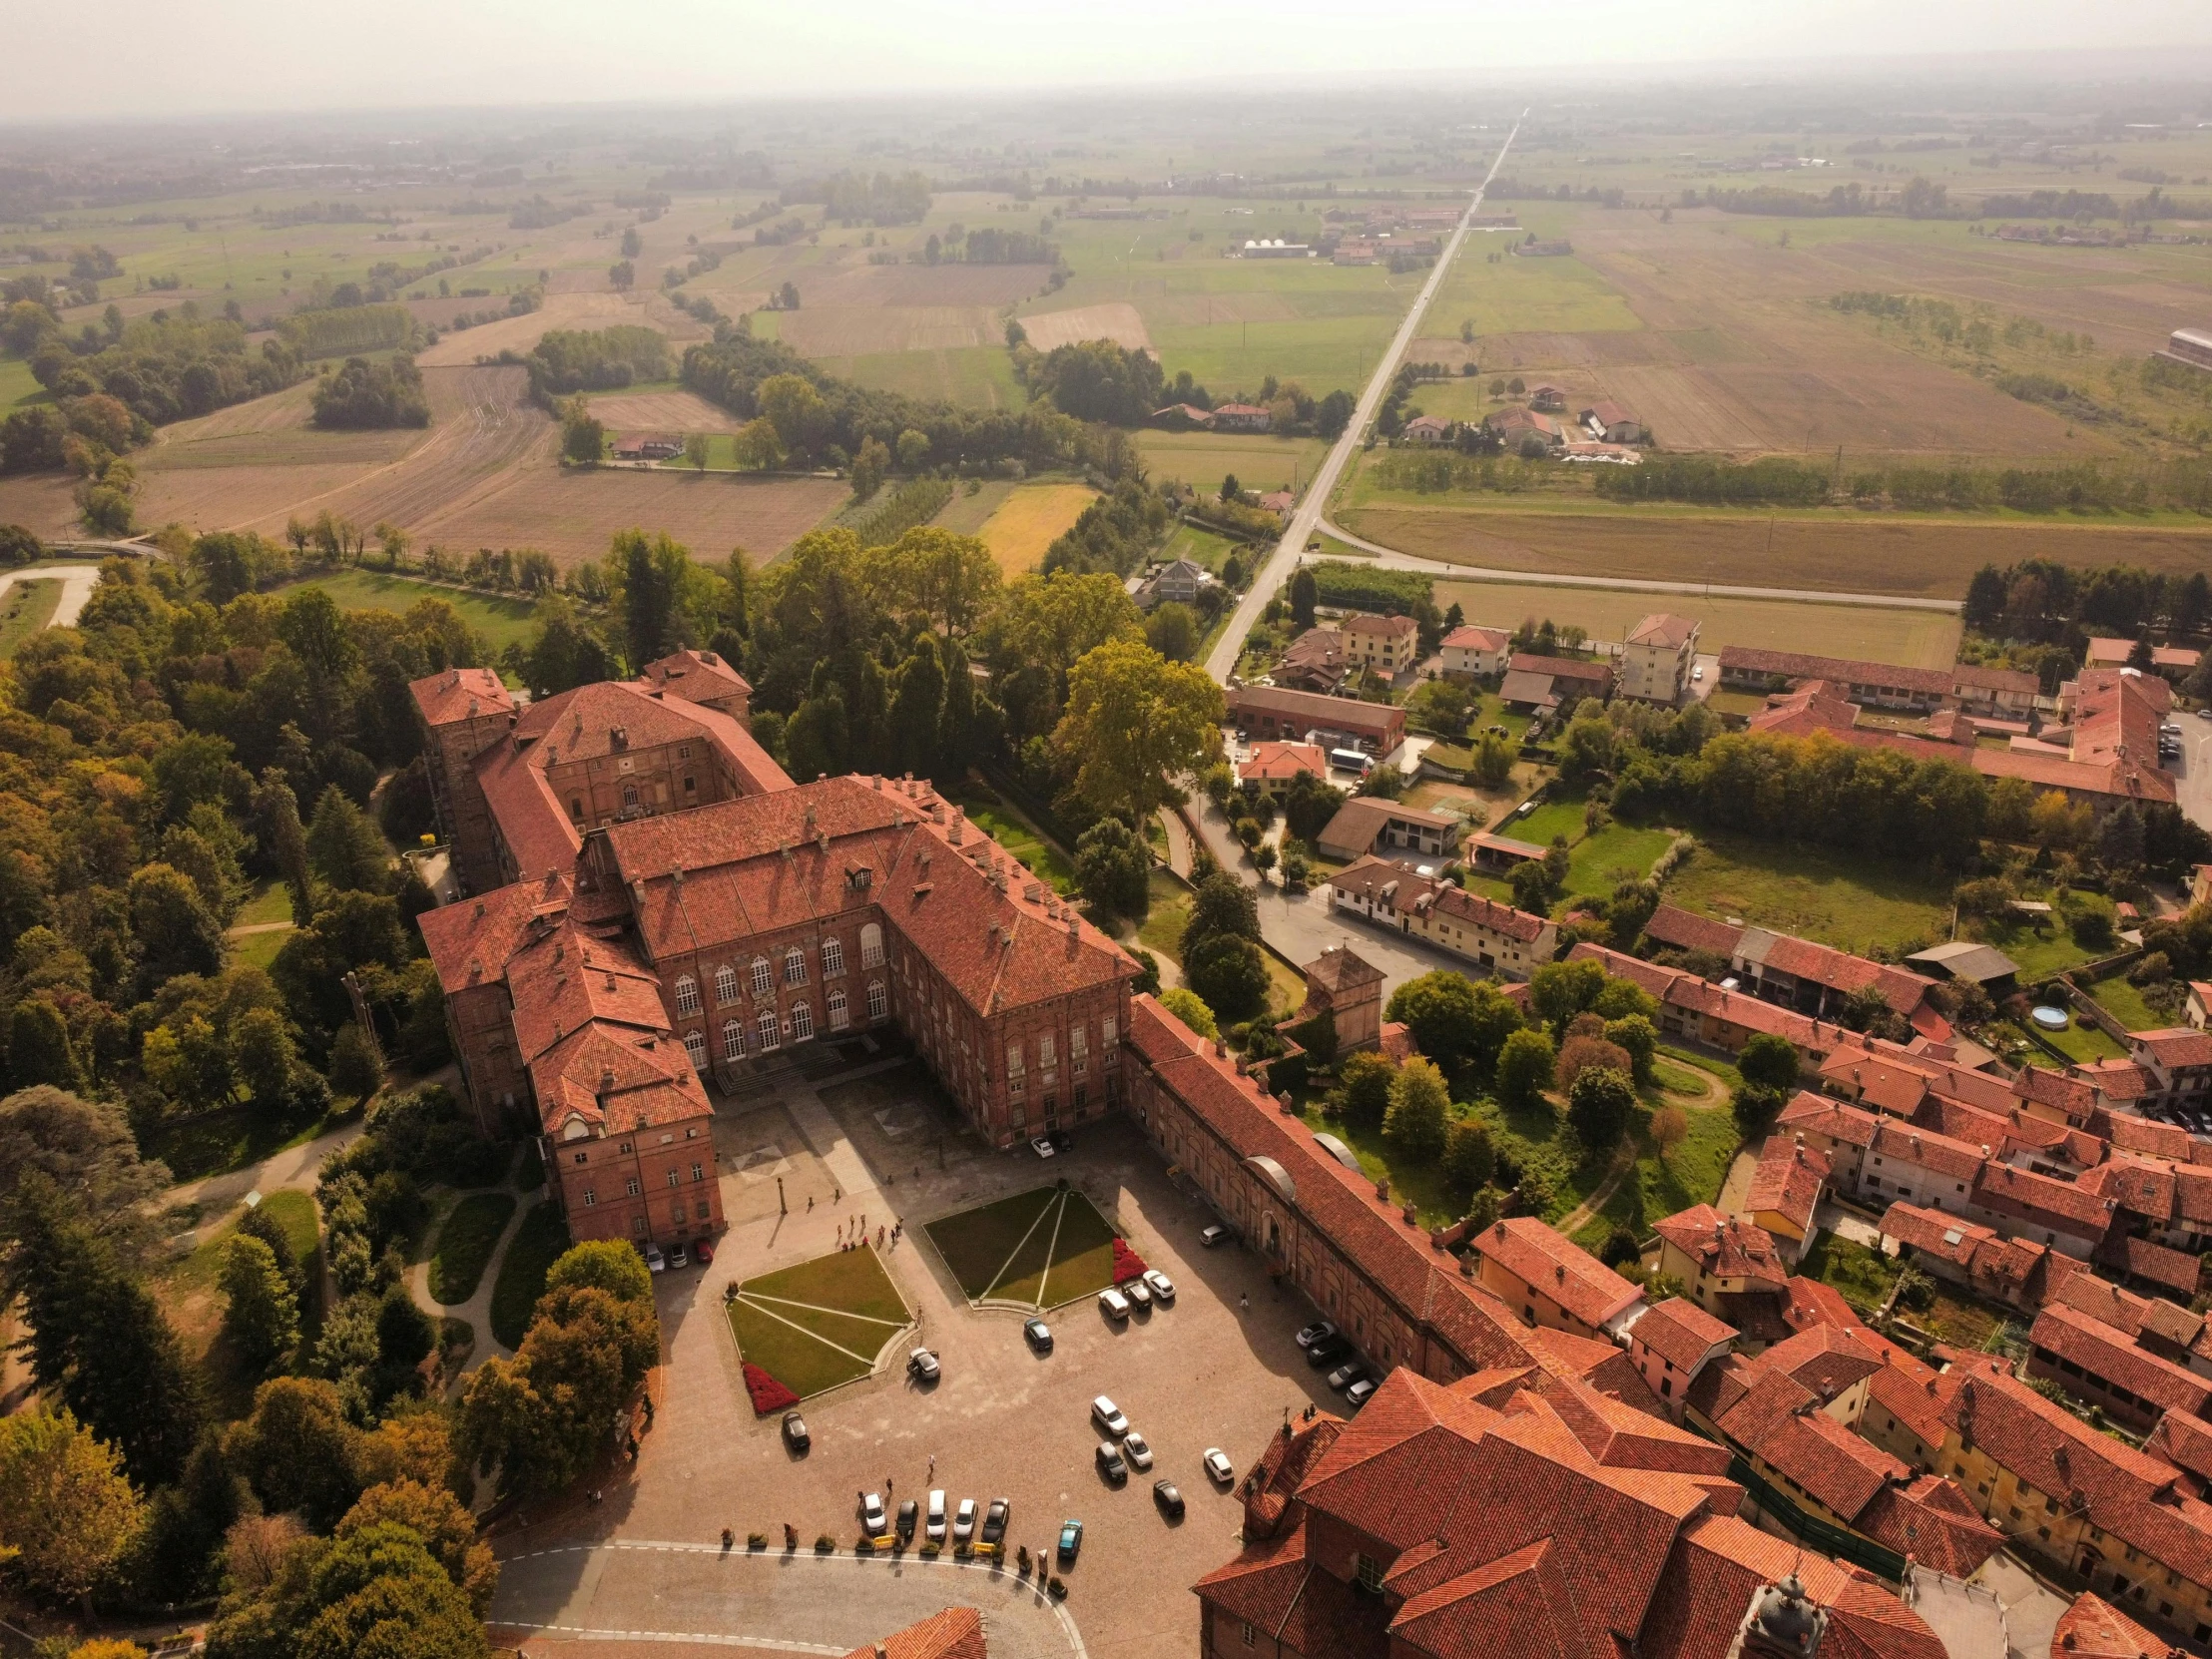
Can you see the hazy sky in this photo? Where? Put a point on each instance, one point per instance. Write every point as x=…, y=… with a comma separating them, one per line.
x=158, y=56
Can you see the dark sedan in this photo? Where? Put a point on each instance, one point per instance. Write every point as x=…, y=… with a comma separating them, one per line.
x=1169, y=1497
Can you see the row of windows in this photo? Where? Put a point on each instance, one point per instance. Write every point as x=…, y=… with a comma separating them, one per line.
x=768, y=1031
x=763, y=972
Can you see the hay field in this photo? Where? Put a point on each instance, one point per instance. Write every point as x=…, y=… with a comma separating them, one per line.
x=1260, y=461
x=965, y=515
x=1890, y=553
x=1116, y=321
x=662, y=411
x=1918, y=639
x=976, y=376
x=43, y=503
x=858, y=330
x=561, y=310
x=1028, y=521
x=270, y=431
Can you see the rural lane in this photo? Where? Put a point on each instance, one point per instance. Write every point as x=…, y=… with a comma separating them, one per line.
x=1308, y=515
x=77, y=585
x=1390, y=559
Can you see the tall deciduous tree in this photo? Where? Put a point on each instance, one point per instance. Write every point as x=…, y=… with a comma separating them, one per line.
x=66, y=1509
x=261, y=1315
x=1134, y=722
x=1420, y=1109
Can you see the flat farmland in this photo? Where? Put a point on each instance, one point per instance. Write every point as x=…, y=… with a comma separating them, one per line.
x=965, y=515
x=1116, y=321
x=601, y=309
x=662, y=411
x=1915, y=557
x=572, y=515
x=1916, y=639
x=1202, y=459
x=977, y=376
x=1029, y=521
x=17, y=385
x=43, y=503
x=270, y=431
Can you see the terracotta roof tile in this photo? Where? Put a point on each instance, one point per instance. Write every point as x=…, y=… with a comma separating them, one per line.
x=1826, y=1358
x=1563, y=1271
x=1932, y=1522
x=1670, y=924
x=469, y=942
x=1723, y=1246
x=2175, y=1046
x=2107, y=1353
x=1788, y=1180
x=954, y=1633
x=460, y=694
x=2095, y=1629
x=1778, y=1421
x=2041, y=1201
x=1678, y=1329
x=1281, y=762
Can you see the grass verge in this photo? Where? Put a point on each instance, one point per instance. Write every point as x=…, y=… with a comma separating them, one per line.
x=465, y=1244
x=537, y=1245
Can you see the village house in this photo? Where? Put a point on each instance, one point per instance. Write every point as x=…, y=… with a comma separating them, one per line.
x=1542, y=683
x=1241, y=417
x=1314, y=662
x=2169, y=661
x=2007, y=694
x=1366, y=823
x=1555, y=1283
x=1671, y=1344
x=1706, y=1013
x=1785, y=1191
x=1179, y=582
x=1472, y=653
x=1730, y=1268
x=1496, y=937
x=1384, y=645
x=1276, y=712
x=1657, y=659
x=2106, y=1368
x=1609, y=422
x=1797, y=973
x=1546, y=397
x=1272, y=765
x=1515, y=425
x=1947, y=1246
x=1426, y=429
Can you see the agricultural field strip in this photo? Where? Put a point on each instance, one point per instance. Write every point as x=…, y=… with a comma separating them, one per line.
x=1392, y=559
x=1223, y=660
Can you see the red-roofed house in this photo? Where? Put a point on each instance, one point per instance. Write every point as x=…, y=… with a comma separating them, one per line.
x=1555, y=1283
x=1272, y=765
x=2104, y=1366
x=1671, y=1344
x=1472, y=653
x=1511, y=943
x=1785, y=1191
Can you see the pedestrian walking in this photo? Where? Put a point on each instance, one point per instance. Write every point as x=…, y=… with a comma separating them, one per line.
x=809, y=1204
x=933, y=1466
x=1244, y=1303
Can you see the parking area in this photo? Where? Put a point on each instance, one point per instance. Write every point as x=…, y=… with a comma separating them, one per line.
x=1217, y=1367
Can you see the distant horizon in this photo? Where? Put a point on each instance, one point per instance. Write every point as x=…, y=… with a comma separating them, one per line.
x=250, y=59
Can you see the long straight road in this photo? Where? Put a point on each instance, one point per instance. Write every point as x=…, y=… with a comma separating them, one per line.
x=1223, y=662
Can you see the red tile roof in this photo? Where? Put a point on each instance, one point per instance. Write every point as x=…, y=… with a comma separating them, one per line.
x=696, y=675
x=2095, y=1629
x=1469, y=637
x=1377, y=880
x=954, y=1633
x=1827, y=1358
x=2184, y=1441
x=2108, y=1354
x=1311, y=708
x=1558, y=1268
x=460, y=694
x=1787, y=1182
x=1562, y=668
x=1687, y=930
x=1931, y=1523
x=563, y=979
x=1661, y=629
x=1825, y=1116
x=1385, y=626
x=2174, y=1046
x=1678, y=1329
x=2041, y=1201
x=1723, y=1246
x=1279, y=762
x=1778, y=1421
x=469, y=942
x=616, y=1079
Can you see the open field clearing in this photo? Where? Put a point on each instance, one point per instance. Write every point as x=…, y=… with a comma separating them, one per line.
x=26, y=607
x=42, y=503
x=860, y=330
x=1556, y=295
x=660, y=411
x=272, y=431
x=1117, y=321
x=1202, y=459
x=502, y=621
x=1836, y=897
x=560, y=310
x=965, y=515
x=1930, y=557
x=980, y=376
x=857, y=286
x=1029, y=521
x=17, y=385
x=1917, y=639
x=571, y=515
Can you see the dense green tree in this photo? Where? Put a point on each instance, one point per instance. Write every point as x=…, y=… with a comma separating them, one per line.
x=1305, y=595
x=173, y=925
x=86, y=1150
x=1455, y=1021
x=356, y=1067
x=564, y=651
x=67, y=1508
x=1419, y=1110
x=1185, y=1005
x=916, y=717
x=1113, y=868
x=1525, y=1067
x=261, y=1314
x=1639, y=1038
x=378, y=1591
x=1309, y=803
x=1599, y=1105
x=298, y=1452
x=345, y=846
x=1470, y=1159
x=40, y=1050
x=1134, y=722
x=1365, y=1080
x=1768, y=1062
x=1173, y=630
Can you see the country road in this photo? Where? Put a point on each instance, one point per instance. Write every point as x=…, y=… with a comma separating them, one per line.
x=77, y=582
x=1308, y=515
x=1390, y=559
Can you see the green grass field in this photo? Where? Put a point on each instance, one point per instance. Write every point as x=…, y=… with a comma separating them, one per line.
x=1616, y=854
x=26, y=608
x=1691, y=1174
x=1042, y=1247
x=2125, y=1004
x=978, y=377
x=537, y=1245
x=1839, y=898
x=17, y=385
x=259, y=949
x=465, y=1244
x=1188, y=541
x=1005, y=824
x=268, y=902
x=502, y=621
x=1202, y=459
x=187, y=1288
x=1523, y=297
x=820, y=1324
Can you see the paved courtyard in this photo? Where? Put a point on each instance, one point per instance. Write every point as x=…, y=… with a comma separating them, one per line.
x=1002, y=1422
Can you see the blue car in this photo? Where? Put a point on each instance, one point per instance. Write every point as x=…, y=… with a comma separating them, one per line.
x=1071, y=1542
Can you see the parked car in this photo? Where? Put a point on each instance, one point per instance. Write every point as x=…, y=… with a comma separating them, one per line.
x=1137, y=1449
x=924, y=1365
x=1315, y=1333
x=1039, y=1335
x=795, y=1432
x=994, y=1520
x=1169, y=1497
x=1345, y=1374
x=1138, y=1293
x=1061, y=1140
x=908, y=1514
x=1108, y=1417
x=1328, y=1352
x=1071, y=1542
x=1042, y=1146
x=1163, y=1288
x=654, y=1262
x=934, y=1527
x=1218, y=1467
x=678, y=1257
x=872, y=1521
x=703, y=1250
x=1360, y=1393
x=963, y=1521
x=1113, y=1305
x=1213, y=1235
x=1110, y=1464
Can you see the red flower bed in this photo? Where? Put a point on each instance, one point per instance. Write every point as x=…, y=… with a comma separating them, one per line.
x=767, y=1393
x=1128, y=1264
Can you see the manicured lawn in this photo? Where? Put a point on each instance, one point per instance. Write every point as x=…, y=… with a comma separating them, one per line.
x=2125, y=1004
x=25, y=608
x=820, y=1324
x=1042, y=1248
x=538, y=1244
x=2040, y=953
x=977, y=1244
x=465, y=1244
x=1838, y=899
x=2081, y=1042
x=1005, y=824
x=502, y=621
x=268, y=902
x=1559, y=815
x=259, y=949
x=228, y=1137
x=1616, y=854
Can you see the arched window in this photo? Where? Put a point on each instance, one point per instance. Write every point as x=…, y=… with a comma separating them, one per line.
x=871, y=945
x=764, y=979
x=766, y=1029
x=879, y=1000
x=687, y=995
x=694, y=1044
x=726, y=983
x=803, y=1022
x=628, y=794
x=837, y=1016
x=833, y=958
x=795, y=966
x=733, y=1039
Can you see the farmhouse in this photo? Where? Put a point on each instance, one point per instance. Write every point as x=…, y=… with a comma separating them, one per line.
x=1178, y=582
x=1472, y=653
x=1609, y=422
x=1387, y=645
x=2192, y=346
x=1798, y=974
x=1546, y=397
x=1515, y=425
x=1786, y=1189
x=1366, y=822
x=2003, y=693
x=1556, y=248
x=2168, y=662
x=1711, y=1014
x=1272, y=765
x=1315, y=662
x=1273, y=712
x=1183, y=414
x=1502, y=940
x=1241, y=417
x=1426, y=430
x=1657, y=657
x=1544, y=683
x=1275, y=248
